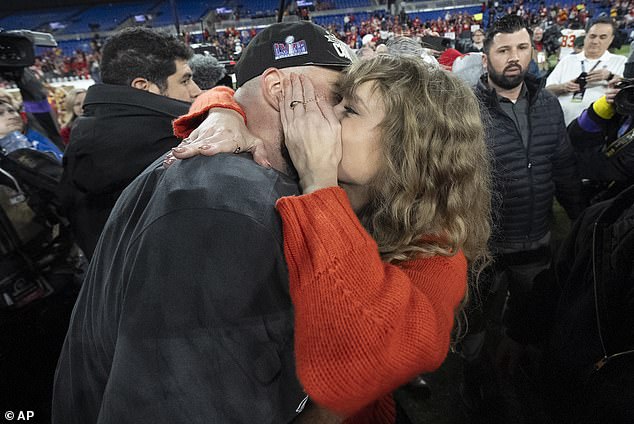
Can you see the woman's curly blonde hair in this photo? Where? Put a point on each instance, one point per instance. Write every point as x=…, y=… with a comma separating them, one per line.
x=432, y=195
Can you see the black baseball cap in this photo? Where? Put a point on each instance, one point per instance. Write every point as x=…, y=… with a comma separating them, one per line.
x=288, y=44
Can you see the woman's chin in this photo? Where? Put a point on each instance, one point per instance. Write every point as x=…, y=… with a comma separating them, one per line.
x=358, y=195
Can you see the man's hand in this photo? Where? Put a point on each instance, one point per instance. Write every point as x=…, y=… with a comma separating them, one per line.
x=565, y=88
x=571, y=87
x=598, y=75
x=612, y=91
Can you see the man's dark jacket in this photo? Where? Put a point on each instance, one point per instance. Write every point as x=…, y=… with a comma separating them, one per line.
x=185, y=314
x=122, y=132
x=526, y=178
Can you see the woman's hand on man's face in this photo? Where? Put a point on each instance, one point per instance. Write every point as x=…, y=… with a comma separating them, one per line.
x=312, y=133
x=223, y=131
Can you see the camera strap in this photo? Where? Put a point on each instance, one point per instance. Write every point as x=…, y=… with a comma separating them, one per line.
x=619, y=144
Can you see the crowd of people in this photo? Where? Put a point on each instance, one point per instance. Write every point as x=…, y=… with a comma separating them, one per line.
x=309, y=247
x=53, y=64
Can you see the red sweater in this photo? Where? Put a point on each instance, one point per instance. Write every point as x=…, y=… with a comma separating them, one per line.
x=362, y=327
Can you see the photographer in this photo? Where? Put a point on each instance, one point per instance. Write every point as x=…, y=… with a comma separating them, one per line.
x=18, y=54
x=602, y=136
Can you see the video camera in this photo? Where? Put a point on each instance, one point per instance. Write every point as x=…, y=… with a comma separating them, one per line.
x=17, y=48
x=624, y=100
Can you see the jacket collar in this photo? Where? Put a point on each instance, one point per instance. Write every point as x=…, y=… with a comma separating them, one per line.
x=533, y=86
x=129, y=96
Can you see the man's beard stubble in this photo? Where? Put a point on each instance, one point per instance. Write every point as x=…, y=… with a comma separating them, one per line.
x=507, y=83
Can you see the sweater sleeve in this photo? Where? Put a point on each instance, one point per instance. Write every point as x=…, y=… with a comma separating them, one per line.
x=216, y=97
x=362, y=327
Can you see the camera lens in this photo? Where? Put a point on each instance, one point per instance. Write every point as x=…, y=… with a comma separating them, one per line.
x=624, y=101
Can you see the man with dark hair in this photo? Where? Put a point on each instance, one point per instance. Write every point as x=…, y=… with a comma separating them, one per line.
x=580, y=79
x=532, y=160
x=185, y=314
x=147, y=83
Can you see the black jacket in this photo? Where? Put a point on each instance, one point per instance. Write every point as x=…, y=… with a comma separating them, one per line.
x=561, y=312
x=122, y=132
x=590, y=134
x=185, y=314
x=526, y=178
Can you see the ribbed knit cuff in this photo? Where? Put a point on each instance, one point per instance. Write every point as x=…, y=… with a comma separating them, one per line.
x=221, y=97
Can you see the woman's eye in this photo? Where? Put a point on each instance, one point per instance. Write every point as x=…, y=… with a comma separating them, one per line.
x=349, y=110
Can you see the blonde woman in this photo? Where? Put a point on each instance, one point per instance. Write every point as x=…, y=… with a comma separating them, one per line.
x=395, y=208
x=73, y=107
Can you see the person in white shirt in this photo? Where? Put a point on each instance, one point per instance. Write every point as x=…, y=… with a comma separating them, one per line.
x=595, y=63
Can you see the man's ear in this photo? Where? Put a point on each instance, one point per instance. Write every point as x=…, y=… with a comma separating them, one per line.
x=271, y=86
x=484, y=62
x=140, y=84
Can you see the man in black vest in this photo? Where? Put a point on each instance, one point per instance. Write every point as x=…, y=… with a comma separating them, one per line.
x=532, y=161
x=127, y=124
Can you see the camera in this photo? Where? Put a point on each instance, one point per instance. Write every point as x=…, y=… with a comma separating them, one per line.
x=582, y=80
x=17, y=48
x=624, y=100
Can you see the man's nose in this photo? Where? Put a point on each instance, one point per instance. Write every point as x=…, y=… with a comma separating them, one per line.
x=514, y=55
x=194, y=91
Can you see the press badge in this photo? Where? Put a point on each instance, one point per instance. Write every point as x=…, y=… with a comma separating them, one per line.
x=578, y=96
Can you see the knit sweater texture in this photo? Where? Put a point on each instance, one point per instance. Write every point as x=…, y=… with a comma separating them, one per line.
x=363, y=327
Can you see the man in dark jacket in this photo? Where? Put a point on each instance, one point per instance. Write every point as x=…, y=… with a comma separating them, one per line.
x=147, y=83
x=185, y=314
x=532, y=161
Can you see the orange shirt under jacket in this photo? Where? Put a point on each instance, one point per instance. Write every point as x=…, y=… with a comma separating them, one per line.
x=362, y=327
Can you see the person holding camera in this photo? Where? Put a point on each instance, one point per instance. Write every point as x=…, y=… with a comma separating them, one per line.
x=602, y=138
x=580, y=79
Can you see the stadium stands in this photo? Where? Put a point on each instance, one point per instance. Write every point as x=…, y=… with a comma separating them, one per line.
x=35, y=20
x=107, y=17
x=189, y=11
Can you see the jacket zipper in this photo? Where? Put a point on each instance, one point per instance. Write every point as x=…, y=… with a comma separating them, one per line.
x=529, y=167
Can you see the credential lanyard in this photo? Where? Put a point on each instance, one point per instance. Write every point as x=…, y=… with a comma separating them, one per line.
x=583, y=66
